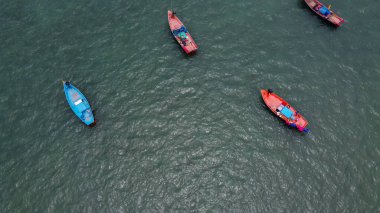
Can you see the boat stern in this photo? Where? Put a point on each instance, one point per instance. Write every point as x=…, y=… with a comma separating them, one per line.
x=88, y=118
x=190, y=50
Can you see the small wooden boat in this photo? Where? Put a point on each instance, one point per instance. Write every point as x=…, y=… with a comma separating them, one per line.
x=283, y=110
x=181, y=34
x=324, y=12
x=78, y=104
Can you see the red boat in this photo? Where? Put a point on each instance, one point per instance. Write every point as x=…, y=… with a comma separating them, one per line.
x=283, y=110
x=181, y=34
x=324, y=12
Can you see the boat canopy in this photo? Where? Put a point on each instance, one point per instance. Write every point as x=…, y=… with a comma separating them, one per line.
x=182, y=35
x=324, y=10
x=182, y=29
x=287, y=112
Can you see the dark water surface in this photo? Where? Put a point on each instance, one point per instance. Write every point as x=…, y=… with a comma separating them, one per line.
x=189, y=134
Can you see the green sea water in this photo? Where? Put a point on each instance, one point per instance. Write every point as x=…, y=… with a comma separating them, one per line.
x=188, y=134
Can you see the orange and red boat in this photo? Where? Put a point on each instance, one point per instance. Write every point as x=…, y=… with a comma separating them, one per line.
x=283, y=110
x=181, y=34
x=324, y=12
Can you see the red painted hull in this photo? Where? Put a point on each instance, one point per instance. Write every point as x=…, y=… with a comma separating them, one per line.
x=332, y=18
x=188, y=45
x=273, y=101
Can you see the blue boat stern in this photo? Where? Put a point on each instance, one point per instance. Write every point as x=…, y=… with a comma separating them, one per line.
x=87, y=117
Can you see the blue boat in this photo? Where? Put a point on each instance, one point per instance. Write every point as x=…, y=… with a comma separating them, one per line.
x=78, y=104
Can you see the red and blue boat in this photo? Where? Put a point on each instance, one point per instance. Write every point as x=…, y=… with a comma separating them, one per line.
x=324, y=12
x=181, y=34
x=284, y=111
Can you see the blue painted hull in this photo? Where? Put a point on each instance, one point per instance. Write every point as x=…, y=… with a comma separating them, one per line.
x=79, y=104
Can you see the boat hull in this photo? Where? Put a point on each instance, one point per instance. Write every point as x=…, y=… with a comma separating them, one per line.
x=79, y=104
x=178, y=29
x=287, y=112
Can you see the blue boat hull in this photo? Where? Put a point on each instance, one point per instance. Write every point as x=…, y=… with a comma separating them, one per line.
x=78, y=104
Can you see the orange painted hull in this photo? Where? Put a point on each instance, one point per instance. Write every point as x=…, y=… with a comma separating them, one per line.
x=188, y=44
x=273, y=102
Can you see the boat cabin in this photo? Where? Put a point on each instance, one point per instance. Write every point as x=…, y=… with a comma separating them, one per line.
x=181, y=33
x=285, y=111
